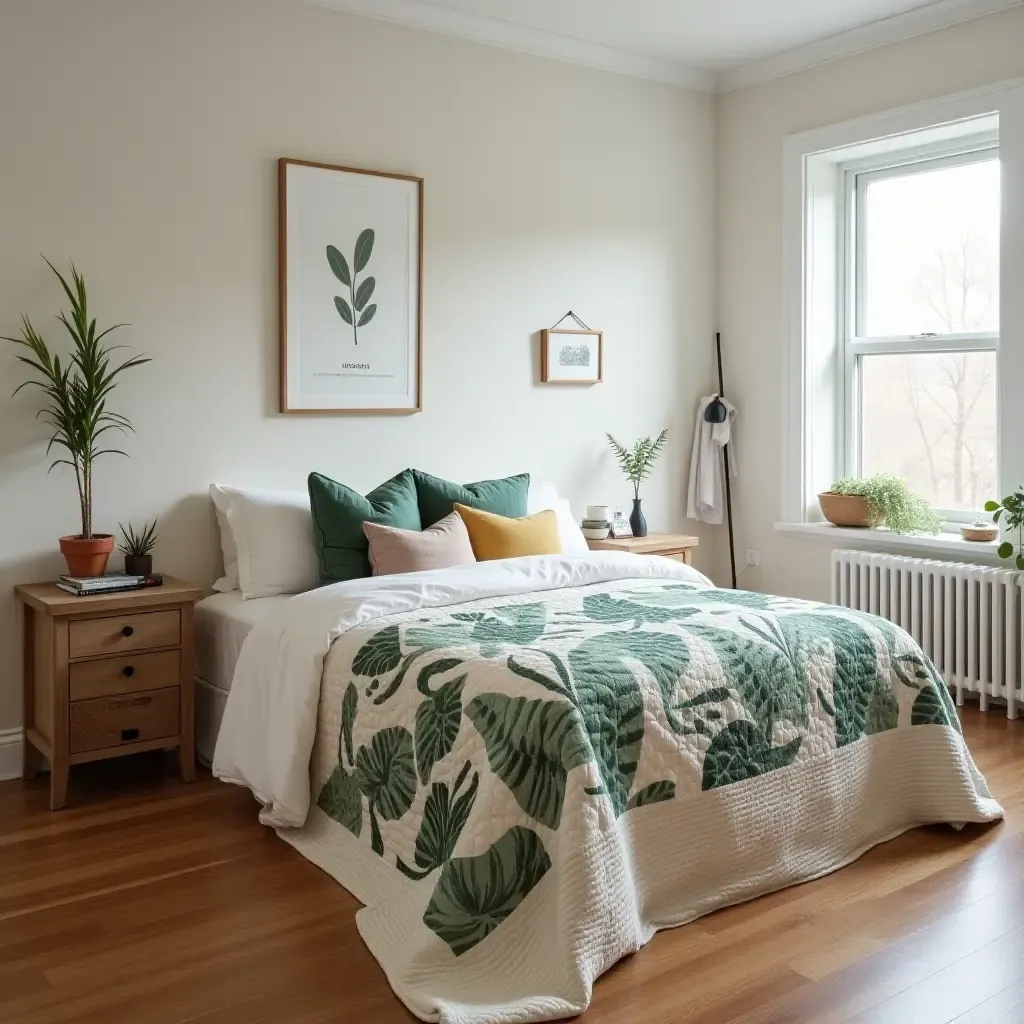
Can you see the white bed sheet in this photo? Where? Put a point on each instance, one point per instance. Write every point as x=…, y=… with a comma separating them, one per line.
x=222, y=623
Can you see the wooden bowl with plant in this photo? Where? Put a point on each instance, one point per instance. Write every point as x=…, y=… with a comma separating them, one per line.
x=137, y=548
x=76, y=393
x=876, y=500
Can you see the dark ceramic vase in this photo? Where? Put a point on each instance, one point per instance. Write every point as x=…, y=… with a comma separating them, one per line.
x=637, y=523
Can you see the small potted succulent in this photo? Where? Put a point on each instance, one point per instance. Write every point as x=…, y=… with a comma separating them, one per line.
x=636, y=463
x=76, y=395
x=137, y=548
x=877, y=500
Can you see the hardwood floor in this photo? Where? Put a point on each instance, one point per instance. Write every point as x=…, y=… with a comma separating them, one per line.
x=148, y=901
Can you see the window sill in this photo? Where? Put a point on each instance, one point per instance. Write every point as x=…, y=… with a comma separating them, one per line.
x=949, y=544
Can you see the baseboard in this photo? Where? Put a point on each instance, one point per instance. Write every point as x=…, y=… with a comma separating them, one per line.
x=11, y=743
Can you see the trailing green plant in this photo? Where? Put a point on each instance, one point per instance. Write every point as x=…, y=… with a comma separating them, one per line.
x=904, y=510
x=77, y=391
x=359, y=294
x=1011, y=511
x=138, y=543
x=636, y=462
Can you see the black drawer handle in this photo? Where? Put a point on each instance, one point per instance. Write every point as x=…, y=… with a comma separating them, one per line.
x=127, y=630
x=128, y=671
x=129, y=734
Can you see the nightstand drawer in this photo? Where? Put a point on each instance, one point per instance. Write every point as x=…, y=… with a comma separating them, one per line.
x=117, y=721
x=133, y=673
x=130, y=632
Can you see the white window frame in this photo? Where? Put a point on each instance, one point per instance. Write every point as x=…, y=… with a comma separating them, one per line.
x=856, y=176
x=815, y=447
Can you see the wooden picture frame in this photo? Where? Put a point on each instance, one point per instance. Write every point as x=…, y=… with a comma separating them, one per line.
x=324, y=210
x=562, y=367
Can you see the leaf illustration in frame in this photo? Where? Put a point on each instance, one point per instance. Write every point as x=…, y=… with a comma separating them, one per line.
x=364, y=248
x=363, y=293
x=339, y=265
x=343, y=308
x=368, y=314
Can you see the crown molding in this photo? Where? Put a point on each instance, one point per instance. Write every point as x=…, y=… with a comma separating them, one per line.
x=497, y=32
x=483, y=29
x=938, y=15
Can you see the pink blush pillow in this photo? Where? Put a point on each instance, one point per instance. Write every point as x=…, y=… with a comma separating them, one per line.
x=441, y=546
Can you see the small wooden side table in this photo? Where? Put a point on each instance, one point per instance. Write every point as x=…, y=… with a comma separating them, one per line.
x=669, y=545
x=107, y=675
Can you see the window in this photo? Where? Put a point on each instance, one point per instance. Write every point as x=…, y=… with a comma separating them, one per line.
x=904, y=355
x=920, y=319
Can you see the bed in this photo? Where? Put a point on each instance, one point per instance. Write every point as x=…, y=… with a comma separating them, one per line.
x=525, y=768
x=222, y=622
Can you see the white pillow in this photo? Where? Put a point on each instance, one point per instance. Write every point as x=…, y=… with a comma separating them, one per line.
x=545, y=496
x=266, y=538
x=229, y=581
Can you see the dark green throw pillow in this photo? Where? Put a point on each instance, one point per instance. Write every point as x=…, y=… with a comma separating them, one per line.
x=339, y=514
x=437, y=497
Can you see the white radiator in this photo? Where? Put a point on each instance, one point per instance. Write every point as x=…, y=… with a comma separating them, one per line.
x=968, y=619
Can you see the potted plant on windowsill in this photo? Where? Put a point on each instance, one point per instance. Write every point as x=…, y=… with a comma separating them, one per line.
x=76, y=394
x=876, y=500
x=137, y=548
x=636, y=465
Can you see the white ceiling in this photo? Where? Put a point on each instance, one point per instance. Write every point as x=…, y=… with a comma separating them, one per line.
x=702, y=43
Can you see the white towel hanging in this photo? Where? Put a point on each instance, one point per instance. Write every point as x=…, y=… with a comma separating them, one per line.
x=705, y=500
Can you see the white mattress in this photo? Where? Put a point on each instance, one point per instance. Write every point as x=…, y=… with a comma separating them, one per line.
x=223, y=622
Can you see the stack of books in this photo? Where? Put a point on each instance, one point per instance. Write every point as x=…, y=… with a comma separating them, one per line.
x=111, y=583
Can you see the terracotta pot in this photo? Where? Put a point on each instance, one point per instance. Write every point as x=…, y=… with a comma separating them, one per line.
x=87, y=557
x=848, y=510
x=138, y=565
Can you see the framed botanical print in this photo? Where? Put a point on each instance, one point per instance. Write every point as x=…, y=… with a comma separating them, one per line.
x=351, y=255
x=571, y=357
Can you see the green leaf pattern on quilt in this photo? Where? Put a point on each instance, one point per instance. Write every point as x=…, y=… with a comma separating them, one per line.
x=521, y=694
x=474, y=895
x=741, y=751
x=444, y=816
x=532, y=745
x=930, y=708
x=387, y=778
x=438, y=718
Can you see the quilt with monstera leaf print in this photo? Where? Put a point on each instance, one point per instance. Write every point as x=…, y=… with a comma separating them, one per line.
x=524, y=788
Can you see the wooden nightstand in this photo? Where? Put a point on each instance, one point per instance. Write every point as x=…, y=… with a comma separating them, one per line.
x=669, y=545
x=106, y=675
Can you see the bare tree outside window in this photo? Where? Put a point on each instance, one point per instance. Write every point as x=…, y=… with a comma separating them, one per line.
x=933, y=269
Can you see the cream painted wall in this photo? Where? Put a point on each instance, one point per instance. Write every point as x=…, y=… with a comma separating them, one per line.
x=752, y=125
x=141, y=138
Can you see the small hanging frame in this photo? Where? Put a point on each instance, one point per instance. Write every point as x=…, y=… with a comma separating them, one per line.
x=571, y=355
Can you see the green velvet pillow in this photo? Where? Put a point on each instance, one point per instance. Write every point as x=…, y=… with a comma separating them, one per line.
x=339, y=514
x=437, y=497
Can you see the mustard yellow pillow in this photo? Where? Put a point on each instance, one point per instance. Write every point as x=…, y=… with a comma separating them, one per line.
x=500, y=537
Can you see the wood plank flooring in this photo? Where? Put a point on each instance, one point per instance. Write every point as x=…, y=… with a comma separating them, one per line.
x=149, y=901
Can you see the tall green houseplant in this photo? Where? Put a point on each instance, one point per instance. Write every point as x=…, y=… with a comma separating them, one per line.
x=76, y=393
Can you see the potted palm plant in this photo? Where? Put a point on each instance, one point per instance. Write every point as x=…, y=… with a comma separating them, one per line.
x=76, y=394
x=636, y=463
